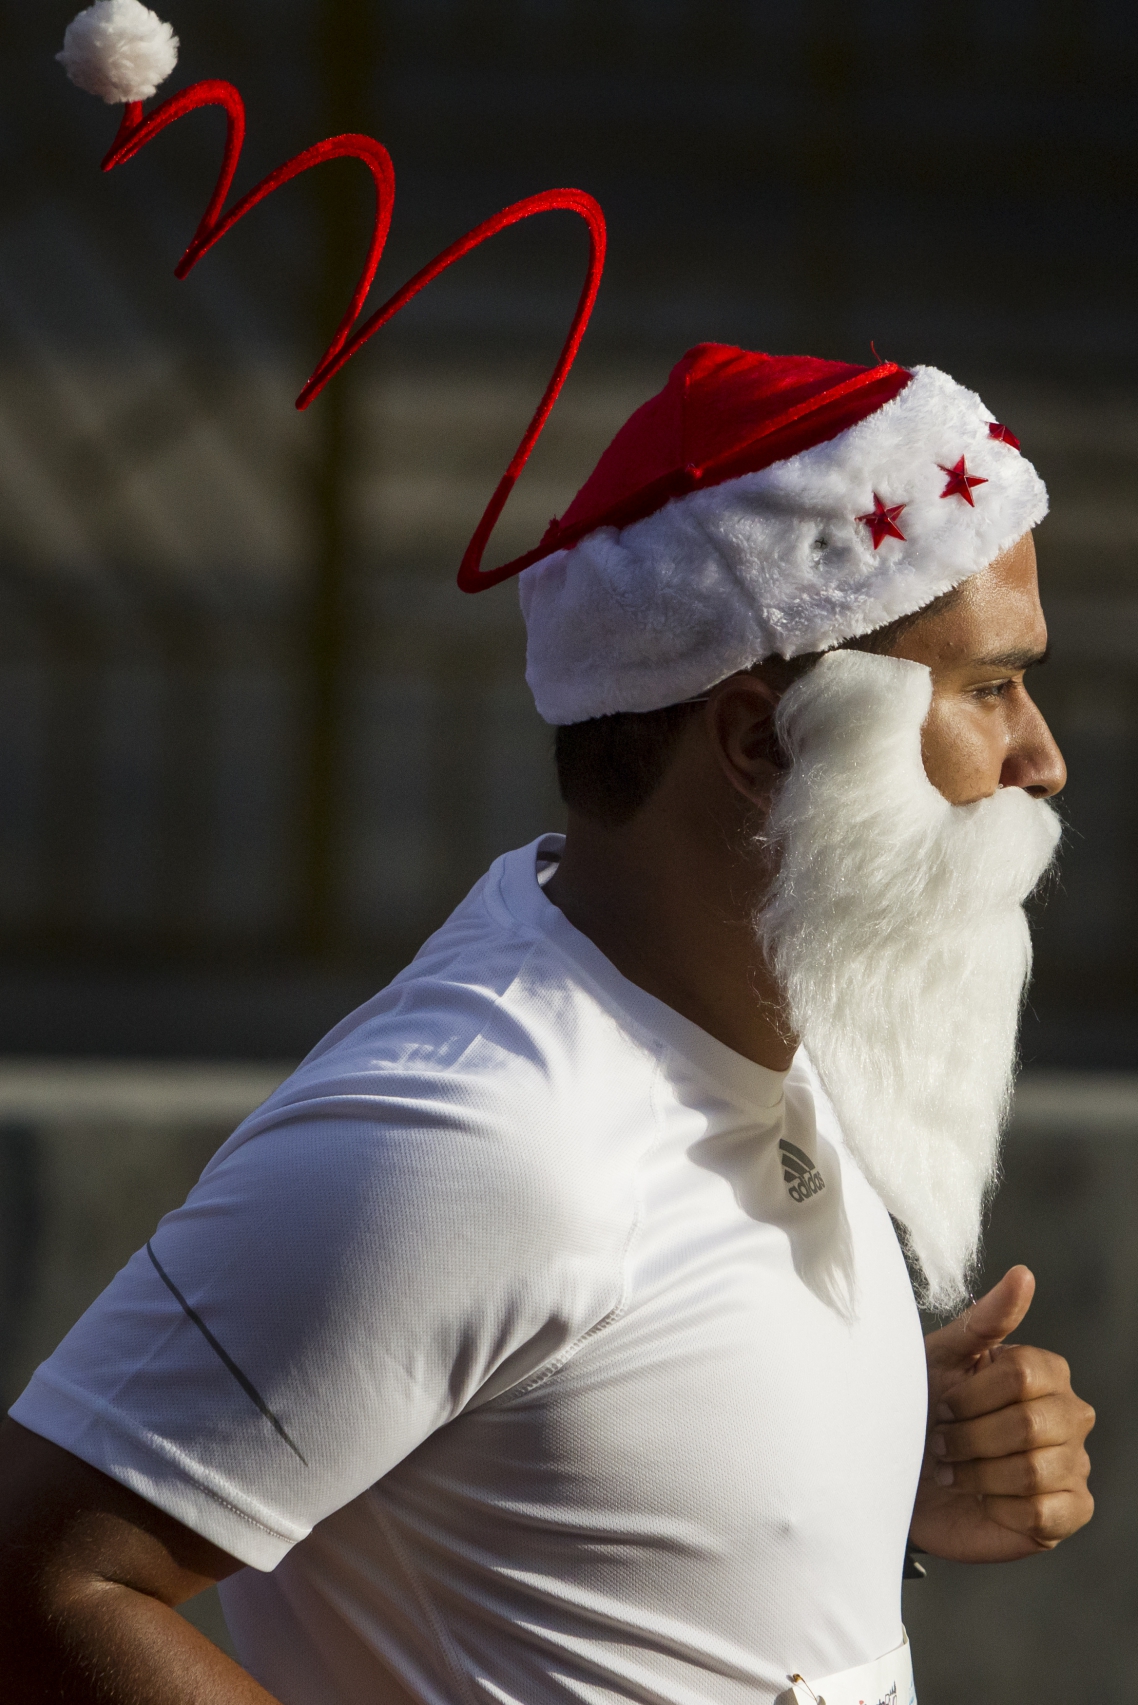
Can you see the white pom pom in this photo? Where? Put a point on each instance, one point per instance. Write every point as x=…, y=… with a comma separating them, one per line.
x=118, y=49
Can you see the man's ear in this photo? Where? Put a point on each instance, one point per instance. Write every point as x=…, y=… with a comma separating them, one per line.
x=739, y=721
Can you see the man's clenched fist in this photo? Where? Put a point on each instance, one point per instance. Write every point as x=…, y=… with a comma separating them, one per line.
x=1005, y=1471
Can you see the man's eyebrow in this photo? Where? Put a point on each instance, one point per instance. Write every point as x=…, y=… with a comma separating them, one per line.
x=1023, y=659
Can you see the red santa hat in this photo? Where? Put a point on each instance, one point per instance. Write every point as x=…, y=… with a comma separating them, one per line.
x=764, y=506
x=758, y=506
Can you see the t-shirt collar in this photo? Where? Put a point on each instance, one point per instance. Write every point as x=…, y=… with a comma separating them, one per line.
x=745, y=1081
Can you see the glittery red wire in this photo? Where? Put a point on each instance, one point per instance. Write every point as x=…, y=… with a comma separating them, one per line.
x=136, y=131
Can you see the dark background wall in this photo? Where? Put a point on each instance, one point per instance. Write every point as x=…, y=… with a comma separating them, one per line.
x=256, y=744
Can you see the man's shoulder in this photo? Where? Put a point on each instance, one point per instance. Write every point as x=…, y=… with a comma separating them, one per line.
x=490, y=1016
x=422, y=1216
x=479, y=964
x=488, y=1059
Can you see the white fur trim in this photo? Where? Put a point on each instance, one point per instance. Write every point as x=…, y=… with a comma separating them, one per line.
x=775, y=563
x=119, y=50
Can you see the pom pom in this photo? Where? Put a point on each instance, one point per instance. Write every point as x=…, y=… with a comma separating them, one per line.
x=118, y=49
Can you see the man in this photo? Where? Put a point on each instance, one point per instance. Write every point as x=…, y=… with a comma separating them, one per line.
x=545, y=1336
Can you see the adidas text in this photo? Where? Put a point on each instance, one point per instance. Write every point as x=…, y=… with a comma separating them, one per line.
x=803, y=1179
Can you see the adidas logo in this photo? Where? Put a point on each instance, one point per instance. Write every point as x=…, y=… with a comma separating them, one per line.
x=802, y=1177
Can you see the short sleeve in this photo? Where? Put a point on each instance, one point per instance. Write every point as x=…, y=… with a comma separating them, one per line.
x=341, y=1282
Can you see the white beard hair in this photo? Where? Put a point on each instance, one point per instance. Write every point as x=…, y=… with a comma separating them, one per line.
x=895, y=925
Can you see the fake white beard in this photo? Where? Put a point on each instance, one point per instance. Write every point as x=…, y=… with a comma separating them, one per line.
x=895, y=925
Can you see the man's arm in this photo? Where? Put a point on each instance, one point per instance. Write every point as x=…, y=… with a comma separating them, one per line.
x=1005, y=1472
x=89, y=1577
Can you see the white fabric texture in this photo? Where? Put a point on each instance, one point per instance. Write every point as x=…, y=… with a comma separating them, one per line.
x=516, y=1263
x=776, y=563
x=119, y=50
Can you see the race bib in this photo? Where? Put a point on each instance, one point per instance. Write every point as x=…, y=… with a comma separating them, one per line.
x=885, y=1681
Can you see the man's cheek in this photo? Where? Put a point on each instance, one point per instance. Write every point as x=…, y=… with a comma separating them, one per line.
x=962, y=759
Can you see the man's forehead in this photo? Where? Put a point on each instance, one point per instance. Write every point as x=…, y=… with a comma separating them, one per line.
x=999, y=633
x=1004, y=602
x=994, y=622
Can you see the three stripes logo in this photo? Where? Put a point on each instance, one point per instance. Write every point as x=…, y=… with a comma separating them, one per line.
x=803, y=1179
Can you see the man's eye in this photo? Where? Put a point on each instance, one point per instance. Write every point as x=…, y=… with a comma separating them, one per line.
x=993, y=690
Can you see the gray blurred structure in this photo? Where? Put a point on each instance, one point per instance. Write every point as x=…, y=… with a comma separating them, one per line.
x=93, y=1153
x=255, y=744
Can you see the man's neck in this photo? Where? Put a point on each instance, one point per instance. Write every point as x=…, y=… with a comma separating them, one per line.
x=670, y=904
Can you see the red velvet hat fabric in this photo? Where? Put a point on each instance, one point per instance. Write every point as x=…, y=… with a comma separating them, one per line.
x=723, y=412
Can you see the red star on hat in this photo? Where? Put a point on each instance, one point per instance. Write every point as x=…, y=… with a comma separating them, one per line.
x=882, y=521
x=960, y=482
x=1004, y=434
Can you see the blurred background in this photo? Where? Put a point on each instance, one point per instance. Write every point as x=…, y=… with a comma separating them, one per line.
x=254, y=745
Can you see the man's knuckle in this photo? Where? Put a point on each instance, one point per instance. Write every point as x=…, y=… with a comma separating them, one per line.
x=1033, y=1471
x=1021, y=1373
x=1033, y=1425
x=1042, y=1515
x=1026, y=1384
x=1058, y=1369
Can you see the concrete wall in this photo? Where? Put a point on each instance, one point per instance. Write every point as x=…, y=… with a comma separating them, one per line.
x=92, y=1155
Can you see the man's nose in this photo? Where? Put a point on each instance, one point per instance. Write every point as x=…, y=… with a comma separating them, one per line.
x=1035, y=762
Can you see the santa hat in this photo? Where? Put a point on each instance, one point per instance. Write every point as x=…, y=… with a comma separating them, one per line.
x=758, y=506
x=764, y=506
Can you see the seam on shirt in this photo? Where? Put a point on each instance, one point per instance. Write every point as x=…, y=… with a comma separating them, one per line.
x=498, y=999
x=235, y=1509
x=223, y=1355
x=426, y=1603
x=555, y=1365
x=635, y=1028
x=177, y=1458
x=534, y=939
x=264, y=1119
x=563, y=1357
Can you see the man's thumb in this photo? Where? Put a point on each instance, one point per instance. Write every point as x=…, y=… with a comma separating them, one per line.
x=987, y=1322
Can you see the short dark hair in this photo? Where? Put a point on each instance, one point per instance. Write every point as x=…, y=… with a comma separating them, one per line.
x=610, y=766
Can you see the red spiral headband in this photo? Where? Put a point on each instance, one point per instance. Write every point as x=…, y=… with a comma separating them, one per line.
x=136, y=131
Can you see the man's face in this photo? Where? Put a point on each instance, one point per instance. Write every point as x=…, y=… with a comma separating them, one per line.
x=983, y=731
x=909, y=828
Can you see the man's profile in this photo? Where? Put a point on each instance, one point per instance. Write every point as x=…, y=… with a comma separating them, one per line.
x=546, y=1336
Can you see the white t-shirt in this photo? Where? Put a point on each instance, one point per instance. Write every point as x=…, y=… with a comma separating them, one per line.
x=505, y=1344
